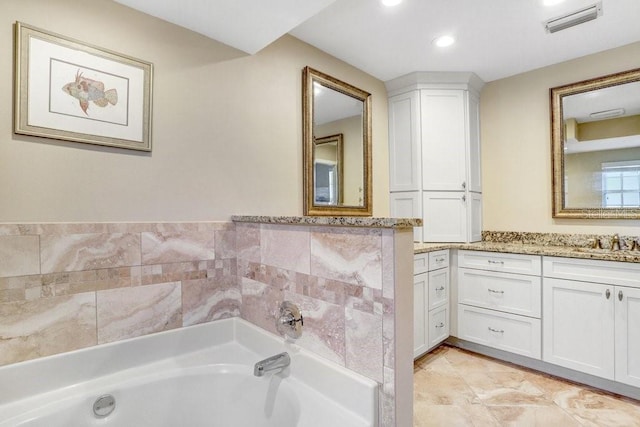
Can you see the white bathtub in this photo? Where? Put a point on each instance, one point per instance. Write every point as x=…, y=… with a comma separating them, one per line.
x=190, y=377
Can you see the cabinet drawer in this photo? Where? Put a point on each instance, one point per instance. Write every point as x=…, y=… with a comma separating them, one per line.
x=595, y=271
x=438, y=288
x=497, y=261
x=420, y=263
x=438, y=259
x=509, y=332
x=438, y=325
x=512, y=293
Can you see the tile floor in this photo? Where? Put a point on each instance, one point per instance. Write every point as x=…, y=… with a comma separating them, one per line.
x=453, y=387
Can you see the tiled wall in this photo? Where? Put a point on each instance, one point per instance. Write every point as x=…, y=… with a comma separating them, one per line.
x=64, y=287
x=69, y=286
x=342, y=279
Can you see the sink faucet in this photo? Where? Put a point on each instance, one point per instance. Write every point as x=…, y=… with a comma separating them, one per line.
x=615, y=243
x=273, y=363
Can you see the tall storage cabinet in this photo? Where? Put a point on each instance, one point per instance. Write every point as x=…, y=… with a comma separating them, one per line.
x=434, y=147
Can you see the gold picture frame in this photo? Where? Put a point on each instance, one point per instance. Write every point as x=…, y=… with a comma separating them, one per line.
x=68, y=90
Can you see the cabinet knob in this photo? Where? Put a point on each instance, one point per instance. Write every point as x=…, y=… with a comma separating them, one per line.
x=608, y=293
x=464, y=198
x=620, y=296
x=464, y=185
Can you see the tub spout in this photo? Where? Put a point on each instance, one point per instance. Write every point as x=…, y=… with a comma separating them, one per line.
x=273, y=363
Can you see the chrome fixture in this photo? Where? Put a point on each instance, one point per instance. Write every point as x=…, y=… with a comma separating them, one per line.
x=635, y=246
x=104, y=406
x=574, y=18
x=273, y=363
x=290, y=321
x=615, y=243
x=596, y=244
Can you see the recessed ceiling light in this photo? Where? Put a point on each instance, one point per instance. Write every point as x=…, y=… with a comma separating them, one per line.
x=444, y=41
x=390, y=3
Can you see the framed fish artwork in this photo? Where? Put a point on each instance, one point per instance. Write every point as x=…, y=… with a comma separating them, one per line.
x=66, y=89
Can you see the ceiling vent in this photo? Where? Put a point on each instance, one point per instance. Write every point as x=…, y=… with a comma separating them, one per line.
x=574, y=18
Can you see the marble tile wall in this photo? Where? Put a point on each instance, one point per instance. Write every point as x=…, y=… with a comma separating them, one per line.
x=342, y=279
x=69, y=286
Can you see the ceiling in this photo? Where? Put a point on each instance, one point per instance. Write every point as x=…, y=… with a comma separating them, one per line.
x=495, y=38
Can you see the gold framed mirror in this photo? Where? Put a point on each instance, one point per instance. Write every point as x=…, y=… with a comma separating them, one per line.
x=595, y=138
x=336, y=146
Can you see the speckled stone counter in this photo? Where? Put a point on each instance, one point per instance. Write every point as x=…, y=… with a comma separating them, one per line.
x=345, y=221
x=549, y=244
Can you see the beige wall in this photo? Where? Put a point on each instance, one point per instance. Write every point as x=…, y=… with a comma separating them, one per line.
x=516, y=147
x=227, y=127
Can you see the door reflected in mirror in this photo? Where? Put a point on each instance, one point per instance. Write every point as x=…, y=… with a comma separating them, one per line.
x=337, y=144
x=328, y=159
x=596, y=147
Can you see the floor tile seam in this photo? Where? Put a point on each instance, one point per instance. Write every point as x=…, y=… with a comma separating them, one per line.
x=576, y=419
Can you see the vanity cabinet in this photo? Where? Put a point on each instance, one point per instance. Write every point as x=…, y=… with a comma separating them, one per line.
x=430, y=300
x=592, y=317
x=434, y=151
x=499, y=301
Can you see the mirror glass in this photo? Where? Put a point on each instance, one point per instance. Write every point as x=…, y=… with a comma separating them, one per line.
x=337, y=146
x=596, y=147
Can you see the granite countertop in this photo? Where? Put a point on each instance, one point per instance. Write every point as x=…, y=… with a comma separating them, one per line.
x=344, y=221
x=535, y=249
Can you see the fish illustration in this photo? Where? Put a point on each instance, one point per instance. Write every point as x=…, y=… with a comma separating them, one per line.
x=86, y=90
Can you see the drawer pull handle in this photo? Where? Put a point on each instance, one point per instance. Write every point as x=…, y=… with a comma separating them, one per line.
x=440, y=325
x=441, y=288
x=495, y=262
x=499, y=331
x=607, y=294
x=439, y=259
x=495, y=292
x=620, y=296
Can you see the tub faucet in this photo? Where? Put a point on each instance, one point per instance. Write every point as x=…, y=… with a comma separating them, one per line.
x=273, y=363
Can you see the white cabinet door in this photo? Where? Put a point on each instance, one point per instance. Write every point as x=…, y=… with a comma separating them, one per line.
x=578, y=327
x=438, y=325
x=444, y=216
x=438, y=288
x=420, y=330
x=505, y=331
x=627, y=302
x=404, y=142
x=443, y=119
x=474, y=214
x=407, y=204
x=507, y=292
x=475, y=173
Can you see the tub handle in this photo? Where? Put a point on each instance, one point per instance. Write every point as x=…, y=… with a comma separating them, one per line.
x=290, y=321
